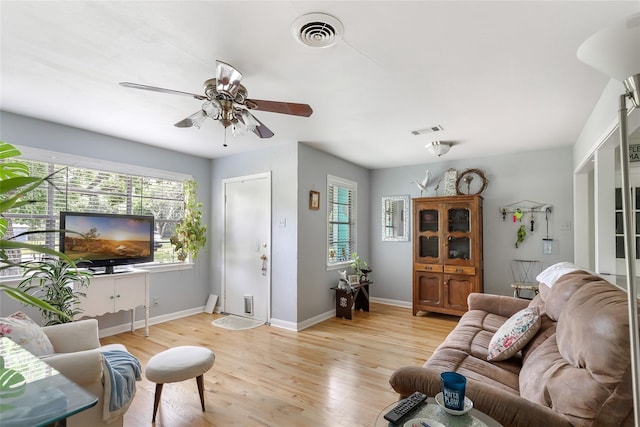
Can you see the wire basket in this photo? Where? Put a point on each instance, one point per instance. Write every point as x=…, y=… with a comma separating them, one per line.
x=525, y=271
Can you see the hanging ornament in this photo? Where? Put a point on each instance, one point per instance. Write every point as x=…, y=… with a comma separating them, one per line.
x=521, y=234
x=533, y=220
x=517, y=215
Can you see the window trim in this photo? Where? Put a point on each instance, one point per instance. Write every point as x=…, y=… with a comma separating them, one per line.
x=37, y=154
x=72, y=160
x=333, y=180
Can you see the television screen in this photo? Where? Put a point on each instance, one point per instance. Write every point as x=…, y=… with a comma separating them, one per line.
x=106, y=240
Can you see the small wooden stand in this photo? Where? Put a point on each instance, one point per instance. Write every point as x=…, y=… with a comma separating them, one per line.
x=346, y=300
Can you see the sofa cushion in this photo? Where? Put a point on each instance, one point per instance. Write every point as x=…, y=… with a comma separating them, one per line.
x=465, y=351
x=514, y=334
x=557, y=297
x=26, y=333
x=582, y=371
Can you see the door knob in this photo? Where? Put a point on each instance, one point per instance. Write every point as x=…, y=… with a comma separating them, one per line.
x=263, y=257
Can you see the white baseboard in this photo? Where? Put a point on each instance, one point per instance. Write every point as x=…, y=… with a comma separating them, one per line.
x=397, y=303
x=283, y=324
x=126, y=327
x=296, y=327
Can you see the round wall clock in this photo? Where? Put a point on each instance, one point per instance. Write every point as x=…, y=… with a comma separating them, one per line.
x=471, y=181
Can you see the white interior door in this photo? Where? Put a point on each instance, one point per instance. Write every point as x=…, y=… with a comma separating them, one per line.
x=247, y=246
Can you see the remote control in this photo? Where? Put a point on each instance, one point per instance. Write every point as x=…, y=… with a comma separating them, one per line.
x=405, y=406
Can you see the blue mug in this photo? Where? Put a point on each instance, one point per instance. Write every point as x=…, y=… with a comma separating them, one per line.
x=453, y=387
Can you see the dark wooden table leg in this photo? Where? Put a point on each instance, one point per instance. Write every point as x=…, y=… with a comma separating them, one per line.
x=344, y=301
x=362, y=298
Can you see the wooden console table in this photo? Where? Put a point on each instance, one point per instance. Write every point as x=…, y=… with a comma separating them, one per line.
x=346, y=300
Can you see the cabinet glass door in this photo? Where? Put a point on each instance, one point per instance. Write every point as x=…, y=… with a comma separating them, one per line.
x=458, y=238
x=459, y=220
x=428, y=242
x=459, y=248
x=429, y=220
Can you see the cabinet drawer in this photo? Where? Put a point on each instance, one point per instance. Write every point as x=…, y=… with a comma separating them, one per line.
x=436, y=268
x=457, y=269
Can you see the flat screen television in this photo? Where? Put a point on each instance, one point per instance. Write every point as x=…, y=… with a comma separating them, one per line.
x=106, y=240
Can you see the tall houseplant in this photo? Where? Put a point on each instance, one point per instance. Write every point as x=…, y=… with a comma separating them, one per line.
x=15, y=185
x=190, y=234
x=53, y=282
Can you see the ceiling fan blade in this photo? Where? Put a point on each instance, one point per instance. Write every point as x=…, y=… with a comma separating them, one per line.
x=162, y=90
x=258, y=127
x=291, y=108
x=195, y=119
x=227, y=79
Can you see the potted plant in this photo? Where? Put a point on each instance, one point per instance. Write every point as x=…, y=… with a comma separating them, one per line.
x=360, y=267
x=53, y=282
x=190, y=234
x=15, y=185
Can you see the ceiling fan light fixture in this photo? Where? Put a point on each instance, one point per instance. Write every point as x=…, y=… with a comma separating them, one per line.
x=317, y=30
x=227, y=80
x=249, y=121
x=212, y=108
x=438, y=148
x=238, y=129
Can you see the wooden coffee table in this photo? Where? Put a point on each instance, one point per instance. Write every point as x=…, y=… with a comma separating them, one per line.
x=430, y=409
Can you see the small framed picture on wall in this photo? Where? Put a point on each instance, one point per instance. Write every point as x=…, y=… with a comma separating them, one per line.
x=314, y=200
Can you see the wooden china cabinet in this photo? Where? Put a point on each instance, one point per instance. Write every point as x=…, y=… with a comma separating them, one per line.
x=447, y=253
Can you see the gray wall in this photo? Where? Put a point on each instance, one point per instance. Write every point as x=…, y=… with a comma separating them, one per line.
x=314, y=280
x=300, y=279
x=282, y=162
x=178, y=290
x=541, y=176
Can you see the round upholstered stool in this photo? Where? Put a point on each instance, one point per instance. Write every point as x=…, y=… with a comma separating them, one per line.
x=179, y=364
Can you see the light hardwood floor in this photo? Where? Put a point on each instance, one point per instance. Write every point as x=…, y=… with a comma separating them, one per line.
x=334, y=373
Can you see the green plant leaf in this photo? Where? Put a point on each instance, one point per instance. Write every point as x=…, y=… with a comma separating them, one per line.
x=13, y=169
x=11, y=244
x=8, y=151
x=27, y=299
x=12, y=383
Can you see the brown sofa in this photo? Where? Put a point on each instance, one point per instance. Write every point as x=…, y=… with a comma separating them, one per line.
x=575, y=371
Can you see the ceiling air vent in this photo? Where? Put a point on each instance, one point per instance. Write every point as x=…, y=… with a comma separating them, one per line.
x=317, y=30
x=436, y=128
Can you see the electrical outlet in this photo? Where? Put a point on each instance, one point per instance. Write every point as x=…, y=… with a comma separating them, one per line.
x=155, y=301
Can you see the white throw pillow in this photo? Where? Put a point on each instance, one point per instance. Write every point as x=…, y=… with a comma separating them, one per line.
x=26, y=333
x=514, y=334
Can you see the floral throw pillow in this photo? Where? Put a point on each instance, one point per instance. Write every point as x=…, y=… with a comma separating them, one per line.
x=514, y=334
x=26, y=333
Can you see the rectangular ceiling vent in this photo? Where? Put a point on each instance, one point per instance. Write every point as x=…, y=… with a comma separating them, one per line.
x=436, y=128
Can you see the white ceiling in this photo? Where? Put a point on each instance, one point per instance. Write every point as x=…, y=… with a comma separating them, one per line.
x=499, y=76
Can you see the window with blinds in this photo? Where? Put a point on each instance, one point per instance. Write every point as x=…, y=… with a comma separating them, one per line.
x=341, y=205
x=81, y=189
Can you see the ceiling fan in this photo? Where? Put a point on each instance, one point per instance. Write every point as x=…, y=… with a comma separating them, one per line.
x=225, y=100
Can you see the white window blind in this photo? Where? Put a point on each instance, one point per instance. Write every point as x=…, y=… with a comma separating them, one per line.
x=341, y=235
x=81, y=189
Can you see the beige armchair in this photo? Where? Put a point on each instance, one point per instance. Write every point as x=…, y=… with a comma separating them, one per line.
x=78, y=356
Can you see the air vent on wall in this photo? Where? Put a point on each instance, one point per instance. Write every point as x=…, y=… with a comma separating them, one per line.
x=317, y=30
x=436, y=128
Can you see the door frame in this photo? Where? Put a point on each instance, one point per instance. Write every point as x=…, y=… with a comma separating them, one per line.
x=223, y=284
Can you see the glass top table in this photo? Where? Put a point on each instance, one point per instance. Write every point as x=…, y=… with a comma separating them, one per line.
x=46, y=397
x=431, y=410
